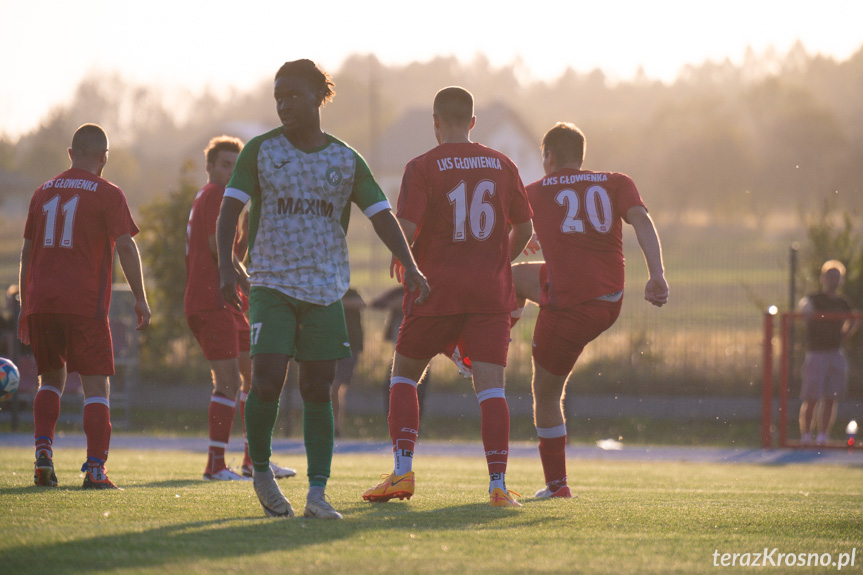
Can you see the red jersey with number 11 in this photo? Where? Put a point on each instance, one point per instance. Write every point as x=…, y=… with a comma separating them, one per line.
x=463, y=197
x=578, y=220
x=73, y=222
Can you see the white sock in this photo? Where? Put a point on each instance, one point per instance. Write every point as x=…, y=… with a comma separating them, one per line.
x=496, y=480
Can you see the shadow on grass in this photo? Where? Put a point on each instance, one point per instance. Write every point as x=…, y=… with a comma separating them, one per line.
x=225, y=539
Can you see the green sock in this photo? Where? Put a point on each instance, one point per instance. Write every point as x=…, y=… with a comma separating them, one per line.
x=318, y=436
x=260, y=420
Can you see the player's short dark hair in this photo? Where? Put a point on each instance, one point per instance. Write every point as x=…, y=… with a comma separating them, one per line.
x=319, y=80
x=221, y=144
x=454, y=105
x=566, y=142
x=90, y=141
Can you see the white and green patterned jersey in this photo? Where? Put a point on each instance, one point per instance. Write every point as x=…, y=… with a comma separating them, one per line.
x=299, y=213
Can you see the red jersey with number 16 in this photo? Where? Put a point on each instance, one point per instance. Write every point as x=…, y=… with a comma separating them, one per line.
x=462, y=197
x=578, y=220
x=73, y=222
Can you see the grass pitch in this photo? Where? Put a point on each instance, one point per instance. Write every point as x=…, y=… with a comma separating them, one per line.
x=629, y=517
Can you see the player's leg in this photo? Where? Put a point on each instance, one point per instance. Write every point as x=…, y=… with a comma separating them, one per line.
x=46, y=412
x=91, y=354
x=273, y=320
x=97, y=428
x=226, y=385
x=216, y=333
x=403, y=421
x=528, y=277
x=486, y=339
x=269, y=371
x=810, y=391
x=548, y=415
x=807, y=413
x=48, y=342
x=826, y=418
x=320, y=344
x=835, y=384
x=558, y=340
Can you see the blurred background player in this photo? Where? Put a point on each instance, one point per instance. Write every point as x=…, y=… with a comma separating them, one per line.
x=221, y=330
x=456, y=203
x=391, y=301
x=353, y=304
x=75, y=221
x=300, y=183
x=578, y=217
x=825, y=371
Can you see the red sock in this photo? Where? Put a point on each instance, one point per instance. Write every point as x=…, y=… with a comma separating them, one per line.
x=247, y=461
x=495, y=432
x=97, y=427
x=552, y=453
x=404, y=422
x=46, y=412
x=221, y=416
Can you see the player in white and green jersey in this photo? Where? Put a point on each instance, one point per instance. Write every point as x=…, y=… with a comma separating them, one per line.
x=301, y=183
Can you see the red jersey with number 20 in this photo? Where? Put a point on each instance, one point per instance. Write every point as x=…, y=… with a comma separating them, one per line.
x=73, y=222
x=578, y=220
x=462, y=198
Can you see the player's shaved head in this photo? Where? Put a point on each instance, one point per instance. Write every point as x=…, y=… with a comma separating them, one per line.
x=319, y=80
x=454, y=105
x=89, y=141
x=566, y=142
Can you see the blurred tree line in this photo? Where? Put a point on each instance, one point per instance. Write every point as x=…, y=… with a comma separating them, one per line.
x=779, y=132
x=723, y=143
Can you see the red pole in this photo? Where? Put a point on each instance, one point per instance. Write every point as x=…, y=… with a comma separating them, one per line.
x=767, y=383
x=783, y=382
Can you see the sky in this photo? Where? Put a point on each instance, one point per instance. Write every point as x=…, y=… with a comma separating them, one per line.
x=183, y=46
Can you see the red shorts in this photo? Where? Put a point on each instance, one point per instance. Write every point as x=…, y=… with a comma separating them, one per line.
x=561, y=334
x=82, y=344
x=221, y=333
x=485, y=335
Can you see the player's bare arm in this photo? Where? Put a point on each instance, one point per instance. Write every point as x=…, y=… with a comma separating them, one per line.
x=23, y=278
x=394, y=237
x=226, y=229
x=656, y=289
x=130, y=261
x=238, y=265
x=519, y=237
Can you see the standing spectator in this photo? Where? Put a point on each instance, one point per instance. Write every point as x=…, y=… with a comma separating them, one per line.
x=457, y=203
x=301, y=183
x=221, y=330
x=825, y=371
x=75, y=221
x=353, y=304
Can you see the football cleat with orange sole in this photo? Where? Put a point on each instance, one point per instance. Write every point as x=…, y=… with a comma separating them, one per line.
x=401, y=486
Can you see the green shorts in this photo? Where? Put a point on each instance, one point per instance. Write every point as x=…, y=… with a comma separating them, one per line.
x=305, y=331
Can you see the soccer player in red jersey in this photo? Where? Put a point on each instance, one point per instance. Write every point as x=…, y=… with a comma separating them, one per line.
x=221, y=330
x=578, y=217
x=75, y=221
x=457, y=203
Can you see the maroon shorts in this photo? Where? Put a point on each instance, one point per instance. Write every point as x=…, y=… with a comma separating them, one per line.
x=485, y=335
x=221, y=333
x=561, y=334
x=82, y=344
